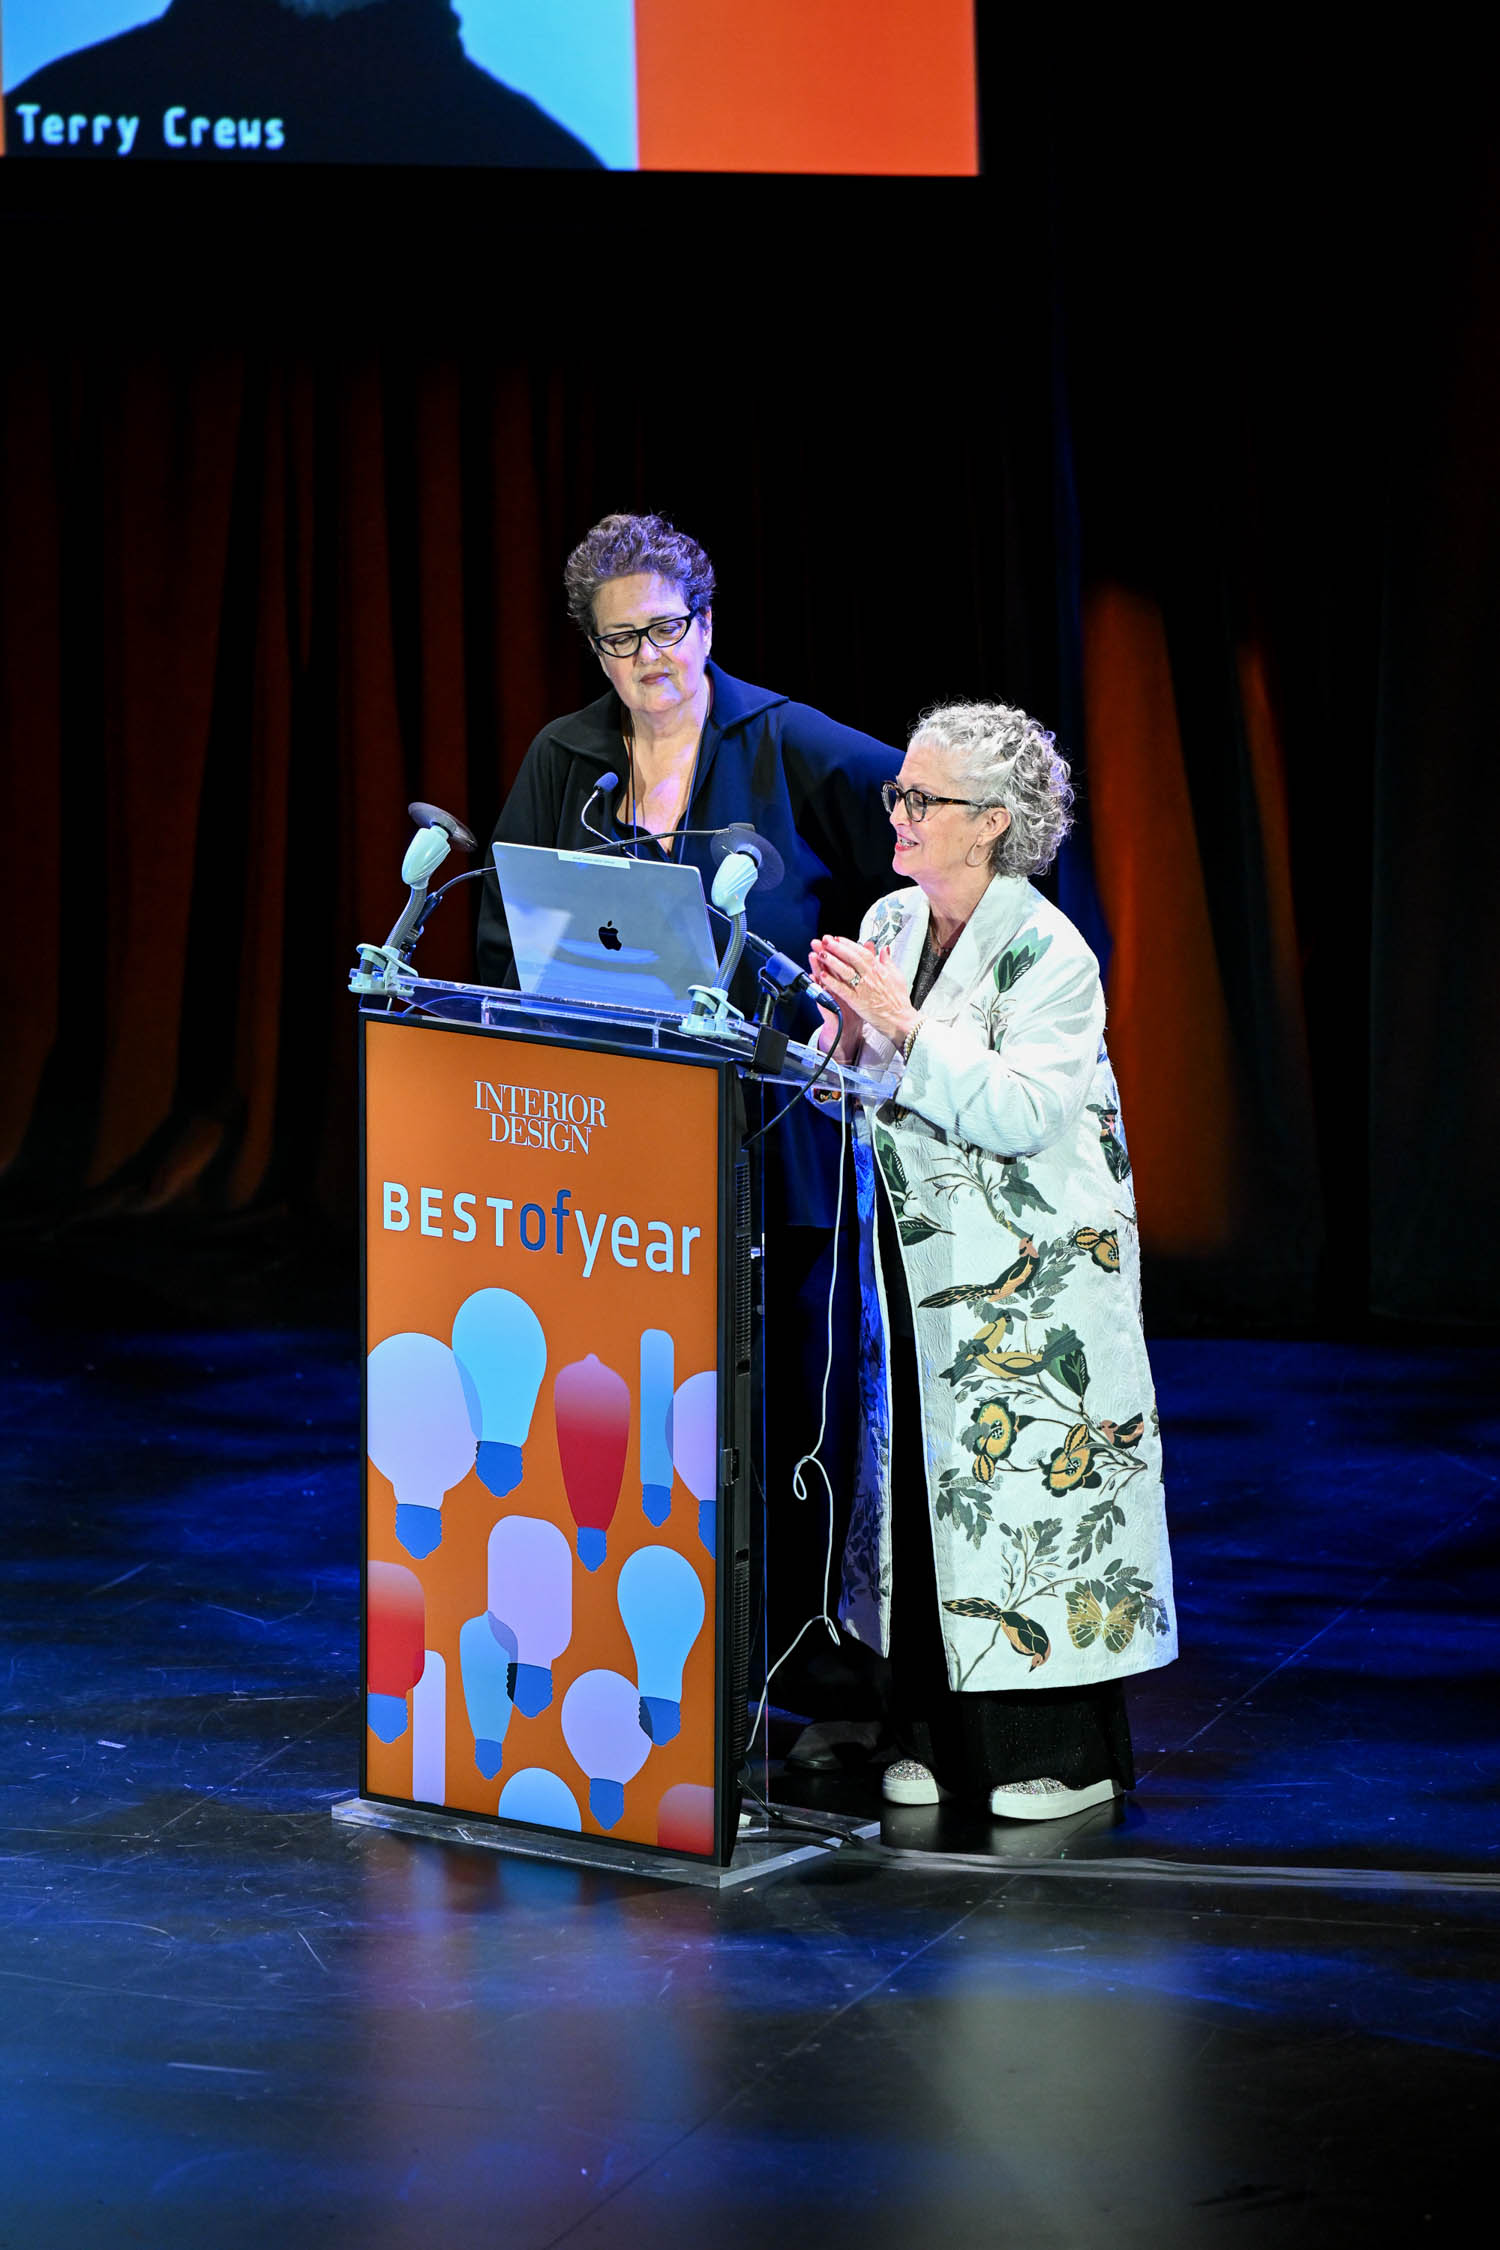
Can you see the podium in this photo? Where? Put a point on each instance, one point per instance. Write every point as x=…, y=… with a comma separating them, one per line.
x=557, y=1307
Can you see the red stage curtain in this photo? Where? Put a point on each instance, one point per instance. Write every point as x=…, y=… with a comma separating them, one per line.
x=257, y=594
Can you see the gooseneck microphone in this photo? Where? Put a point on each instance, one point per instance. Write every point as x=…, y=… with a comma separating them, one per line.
x=606, y=783
x=380, y=966
x=784, y=976
x=437, y=833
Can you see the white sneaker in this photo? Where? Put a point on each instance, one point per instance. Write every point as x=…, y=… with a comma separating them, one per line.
x=907, y=1783
x=1047, y=1799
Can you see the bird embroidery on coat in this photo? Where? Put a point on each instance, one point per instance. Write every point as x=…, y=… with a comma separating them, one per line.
x=1093, y=1456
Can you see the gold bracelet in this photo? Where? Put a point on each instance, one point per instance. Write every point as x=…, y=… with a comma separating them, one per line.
x=910, y=1041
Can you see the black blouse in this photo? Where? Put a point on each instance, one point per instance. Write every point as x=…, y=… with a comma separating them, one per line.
x=810, y=786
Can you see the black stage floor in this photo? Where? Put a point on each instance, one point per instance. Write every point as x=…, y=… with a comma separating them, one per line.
x=1260, y=2008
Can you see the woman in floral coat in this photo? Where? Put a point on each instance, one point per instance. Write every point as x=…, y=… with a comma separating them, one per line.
x=1008, y=1548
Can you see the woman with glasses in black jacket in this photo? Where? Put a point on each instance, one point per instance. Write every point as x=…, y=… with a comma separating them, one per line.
x=696, y=749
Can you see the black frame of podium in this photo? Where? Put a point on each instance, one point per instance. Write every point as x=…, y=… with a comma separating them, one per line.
x=545, y=1027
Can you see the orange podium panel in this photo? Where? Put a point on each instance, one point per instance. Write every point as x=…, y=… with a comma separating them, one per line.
x=554, y=1478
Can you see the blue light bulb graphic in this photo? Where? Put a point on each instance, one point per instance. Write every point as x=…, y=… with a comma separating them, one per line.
x=657, y=1359
x=542, y=1797
x=662, y=1606
x=486, y=1652
x=500, y=1345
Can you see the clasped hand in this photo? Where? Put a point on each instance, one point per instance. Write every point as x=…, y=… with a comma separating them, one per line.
x=865, y=983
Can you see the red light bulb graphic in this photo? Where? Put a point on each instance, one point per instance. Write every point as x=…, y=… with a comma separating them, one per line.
x=395, y=1655
x=685, y=1819
x=591, y=1405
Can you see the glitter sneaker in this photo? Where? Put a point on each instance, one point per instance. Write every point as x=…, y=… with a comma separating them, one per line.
x=907, y=1783
x=1046, y=1799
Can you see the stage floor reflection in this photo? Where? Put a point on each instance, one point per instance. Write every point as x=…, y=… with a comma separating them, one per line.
x=229, y=2021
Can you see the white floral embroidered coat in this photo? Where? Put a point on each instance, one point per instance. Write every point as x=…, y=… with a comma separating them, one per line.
x=1003, y=1159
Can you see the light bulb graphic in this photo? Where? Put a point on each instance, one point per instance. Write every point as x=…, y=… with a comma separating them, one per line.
x=395, y=1644
x=486, y=1653
x=421, y=1433
x=429, y=1733
x=531, y=1599
x=591, y=1404
x=499, y=1342
x=656, y=1424
x=661, y=1603
x=685, y=1818
x=695, y=1446
x=601, y=1726
x=541, y=1797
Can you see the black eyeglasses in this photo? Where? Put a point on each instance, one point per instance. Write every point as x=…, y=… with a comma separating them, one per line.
x=662, y=632
x=917, y=801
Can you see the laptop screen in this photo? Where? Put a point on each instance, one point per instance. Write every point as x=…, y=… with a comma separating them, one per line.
x=625, y=933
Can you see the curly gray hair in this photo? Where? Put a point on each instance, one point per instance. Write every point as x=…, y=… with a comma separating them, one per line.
x=625, y=546
x=1003, y=757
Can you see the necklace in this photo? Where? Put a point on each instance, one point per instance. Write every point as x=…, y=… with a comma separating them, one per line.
x=934, y=960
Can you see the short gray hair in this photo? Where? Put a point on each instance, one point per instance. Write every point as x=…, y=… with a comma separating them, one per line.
x=1003, y=757
x=630, y=546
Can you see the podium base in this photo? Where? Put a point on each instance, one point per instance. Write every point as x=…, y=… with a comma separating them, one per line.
x=759, y=1852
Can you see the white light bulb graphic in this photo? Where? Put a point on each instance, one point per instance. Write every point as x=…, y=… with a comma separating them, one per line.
x=542, y=1797
x=695, y=1446
x=429, y=1733
x=531, y=1597
x=601, y=1726
x=499, y=1342
x=420, y=1432
x=661, y=1603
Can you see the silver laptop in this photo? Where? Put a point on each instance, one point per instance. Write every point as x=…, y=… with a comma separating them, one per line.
x=628, y=933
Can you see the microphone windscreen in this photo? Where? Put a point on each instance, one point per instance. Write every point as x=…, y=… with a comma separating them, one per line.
x=605, y=783
x=739, y=836
x=433, y=816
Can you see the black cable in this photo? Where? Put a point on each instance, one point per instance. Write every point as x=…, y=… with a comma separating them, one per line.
x=432, y=1015
x=761, y=945
x=609, y=844
x=782, y=1816
x=469, y=875
x=802, y=1091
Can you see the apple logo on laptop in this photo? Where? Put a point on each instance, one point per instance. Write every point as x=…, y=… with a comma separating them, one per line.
x=609, y=937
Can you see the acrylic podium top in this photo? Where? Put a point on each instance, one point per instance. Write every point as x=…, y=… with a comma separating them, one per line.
x=635, y=1029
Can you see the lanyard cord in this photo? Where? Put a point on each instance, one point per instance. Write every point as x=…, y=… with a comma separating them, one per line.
x=680, y=827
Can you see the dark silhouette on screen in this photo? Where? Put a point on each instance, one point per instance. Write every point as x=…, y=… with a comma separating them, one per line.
x=257, y=81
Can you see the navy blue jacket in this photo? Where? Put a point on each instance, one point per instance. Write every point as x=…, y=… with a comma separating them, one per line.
x=809, y=786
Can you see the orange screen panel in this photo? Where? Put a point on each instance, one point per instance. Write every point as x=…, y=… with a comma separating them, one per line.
x=806, y=86
x=542, y=1298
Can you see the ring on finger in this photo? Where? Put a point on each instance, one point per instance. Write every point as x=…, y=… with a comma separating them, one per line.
x=856, y=978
